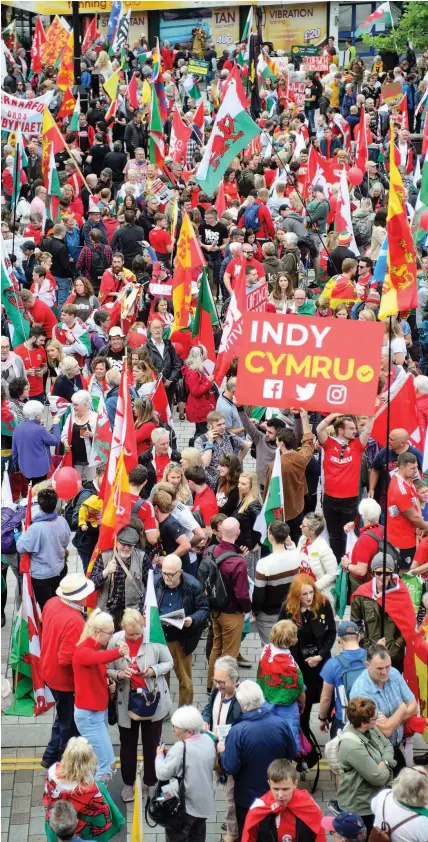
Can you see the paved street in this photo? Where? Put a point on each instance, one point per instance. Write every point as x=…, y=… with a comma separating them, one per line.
x=23, y=740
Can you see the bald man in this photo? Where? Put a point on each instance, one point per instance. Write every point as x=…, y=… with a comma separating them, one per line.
x=179, y=591
x=229, y=622
x=387, y=460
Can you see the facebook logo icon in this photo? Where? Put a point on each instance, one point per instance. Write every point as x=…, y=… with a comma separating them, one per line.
x=272, y=389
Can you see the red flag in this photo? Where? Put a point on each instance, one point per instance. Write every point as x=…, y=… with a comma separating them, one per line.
x=180, y=136
x=160, y=402
x=404, y=111
x=199, y=118
x=220, y=202
x=362, y=153
x=344, y=129
x=320, y=170
x=91, y=35
x=232, y=330
x=67, y=106
x=39, y=39
x=403, y=412
x=132, y=92
x=25, y=560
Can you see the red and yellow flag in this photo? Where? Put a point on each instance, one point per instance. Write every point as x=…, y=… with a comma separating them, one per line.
x=67, y=106
x=51, y=135
x=65, y=78
x=56, y=39
x=400, y=292
x=189, y=258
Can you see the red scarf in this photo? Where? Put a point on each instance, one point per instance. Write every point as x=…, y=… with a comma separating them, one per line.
x=301, y=805
x=399, y=607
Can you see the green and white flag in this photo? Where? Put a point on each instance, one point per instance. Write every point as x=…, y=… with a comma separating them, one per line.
x=74, y=122
x=233, y=130
x=273, y=507
x=381, y=15
x=10, y=298
x=153, y=631
x=20, y=162
x=248, y=26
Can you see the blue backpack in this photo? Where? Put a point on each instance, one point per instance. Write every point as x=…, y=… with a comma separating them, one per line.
x=11, y=522
x=251, y=218
x=352, y=668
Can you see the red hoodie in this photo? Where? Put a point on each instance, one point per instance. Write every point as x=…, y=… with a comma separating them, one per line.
x=90, y=681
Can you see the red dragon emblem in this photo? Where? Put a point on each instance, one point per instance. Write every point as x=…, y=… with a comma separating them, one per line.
x=226, y=135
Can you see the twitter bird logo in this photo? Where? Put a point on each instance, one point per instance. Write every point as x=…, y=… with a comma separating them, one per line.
x=305, y=392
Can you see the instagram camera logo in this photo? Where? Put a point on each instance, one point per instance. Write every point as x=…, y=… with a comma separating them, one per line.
x=336, y=393
x=272, y=389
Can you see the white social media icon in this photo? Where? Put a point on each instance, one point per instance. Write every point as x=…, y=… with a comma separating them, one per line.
x=272, y=389
x=336, y=393
x=304, y=393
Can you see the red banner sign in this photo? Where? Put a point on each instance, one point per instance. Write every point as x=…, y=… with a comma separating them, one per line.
x=312, y=64
x=326, y=365
x=257, y=298
x=297, y=89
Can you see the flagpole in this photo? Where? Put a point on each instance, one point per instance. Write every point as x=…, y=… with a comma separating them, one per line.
x=388, y=429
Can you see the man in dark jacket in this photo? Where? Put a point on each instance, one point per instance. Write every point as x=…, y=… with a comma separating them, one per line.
x=252, y=744
x=135, y=134
x=94, y=221
x=128, y=239
x=61, y=267
x=339, y=254
x=97, y=154
x=28, y=264
x=164, y=358
x=177, y=591
x=329, y=144
x=229, y=622
x=147, y=217
x=117, y=161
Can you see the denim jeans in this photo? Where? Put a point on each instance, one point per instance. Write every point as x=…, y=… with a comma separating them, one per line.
x=63, y=728
x=93, y=725
x=64, y=286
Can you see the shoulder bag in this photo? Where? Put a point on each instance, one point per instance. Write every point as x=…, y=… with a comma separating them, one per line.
x=168, y=812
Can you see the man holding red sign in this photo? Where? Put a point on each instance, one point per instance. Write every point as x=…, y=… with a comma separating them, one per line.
x=343, y=455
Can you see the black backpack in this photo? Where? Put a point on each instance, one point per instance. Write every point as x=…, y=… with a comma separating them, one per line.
x=71, y=511
x=390, y=549
x=99, y=264
x=210, y=577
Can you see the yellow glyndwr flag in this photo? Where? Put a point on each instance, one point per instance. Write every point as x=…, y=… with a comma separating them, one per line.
x=112, y=84
x=146, y=92
x=186, y=260
x=400, y=292
x=137, y=829
x=117, y=512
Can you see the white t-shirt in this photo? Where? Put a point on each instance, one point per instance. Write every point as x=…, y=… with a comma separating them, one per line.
x=182, y=514
x=413, y=831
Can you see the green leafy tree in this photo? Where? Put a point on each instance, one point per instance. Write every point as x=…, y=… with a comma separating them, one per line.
x=412, y=26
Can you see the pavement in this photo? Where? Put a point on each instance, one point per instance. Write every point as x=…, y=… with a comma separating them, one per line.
x=23, y=739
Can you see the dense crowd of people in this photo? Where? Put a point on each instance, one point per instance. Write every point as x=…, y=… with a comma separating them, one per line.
x=354, y=511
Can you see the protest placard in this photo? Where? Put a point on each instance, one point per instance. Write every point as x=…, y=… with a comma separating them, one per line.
x=313, y=64
x=25, y=114
x=198, y=67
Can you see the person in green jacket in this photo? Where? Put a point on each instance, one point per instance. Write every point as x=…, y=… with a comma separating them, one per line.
x=303, y=306
x=366, y=758
x=349, y=54
x=317, y=210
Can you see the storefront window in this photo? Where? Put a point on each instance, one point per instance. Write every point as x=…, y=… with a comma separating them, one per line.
x=345, y=17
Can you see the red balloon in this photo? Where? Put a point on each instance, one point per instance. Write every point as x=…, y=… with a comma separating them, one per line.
x=67, y=483
x=355, y=176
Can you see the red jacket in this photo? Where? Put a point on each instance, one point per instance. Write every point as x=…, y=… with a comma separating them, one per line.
x=266, y=229
x=201, y=398
x=62, y=627
x=90, y=667
x=422, y=410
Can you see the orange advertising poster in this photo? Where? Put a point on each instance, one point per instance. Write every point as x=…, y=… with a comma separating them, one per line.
x=295, y=24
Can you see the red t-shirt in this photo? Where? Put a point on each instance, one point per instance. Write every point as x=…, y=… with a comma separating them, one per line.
x=402, y=496
x=366, y=547
x=159, y=239
x=206, y=502
x=234, y=267
x=421, y=554
x=160, y=464
x=42, y=315
x=342, y=467
x=32, y=359
x=146, y=513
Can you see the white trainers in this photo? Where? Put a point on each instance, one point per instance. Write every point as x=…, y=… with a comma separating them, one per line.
x=127, y=793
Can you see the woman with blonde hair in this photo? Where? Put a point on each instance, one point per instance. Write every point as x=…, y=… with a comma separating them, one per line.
x=174, y=473
x=78, y=432
x=90, y=660
x=248, y=508
x=190, y=458
x=143, y=670
x=366, y=316
x=103, y=65
x=279, y=676
x=312, y=614
x=55, y=355
x=70, y=379
x=72, y=781
x=144, y=377
x=398, y=343
x=199, y=386
x=317, y=559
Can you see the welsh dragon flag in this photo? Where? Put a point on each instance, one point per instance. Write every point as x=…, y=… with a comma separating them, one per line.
x=420, y=219
x=233, y=130
x=156, y=136
x=381, y=15
x=273, y=507
x=205, y=317
x=154, y=631
x=31, y=696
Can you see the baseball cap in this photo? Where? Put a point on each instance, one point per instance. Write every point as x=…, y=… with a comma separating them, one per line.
x=115, y=331
x=29, y=245
x=349, y=825
x=377, y=563
x=347, y=627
